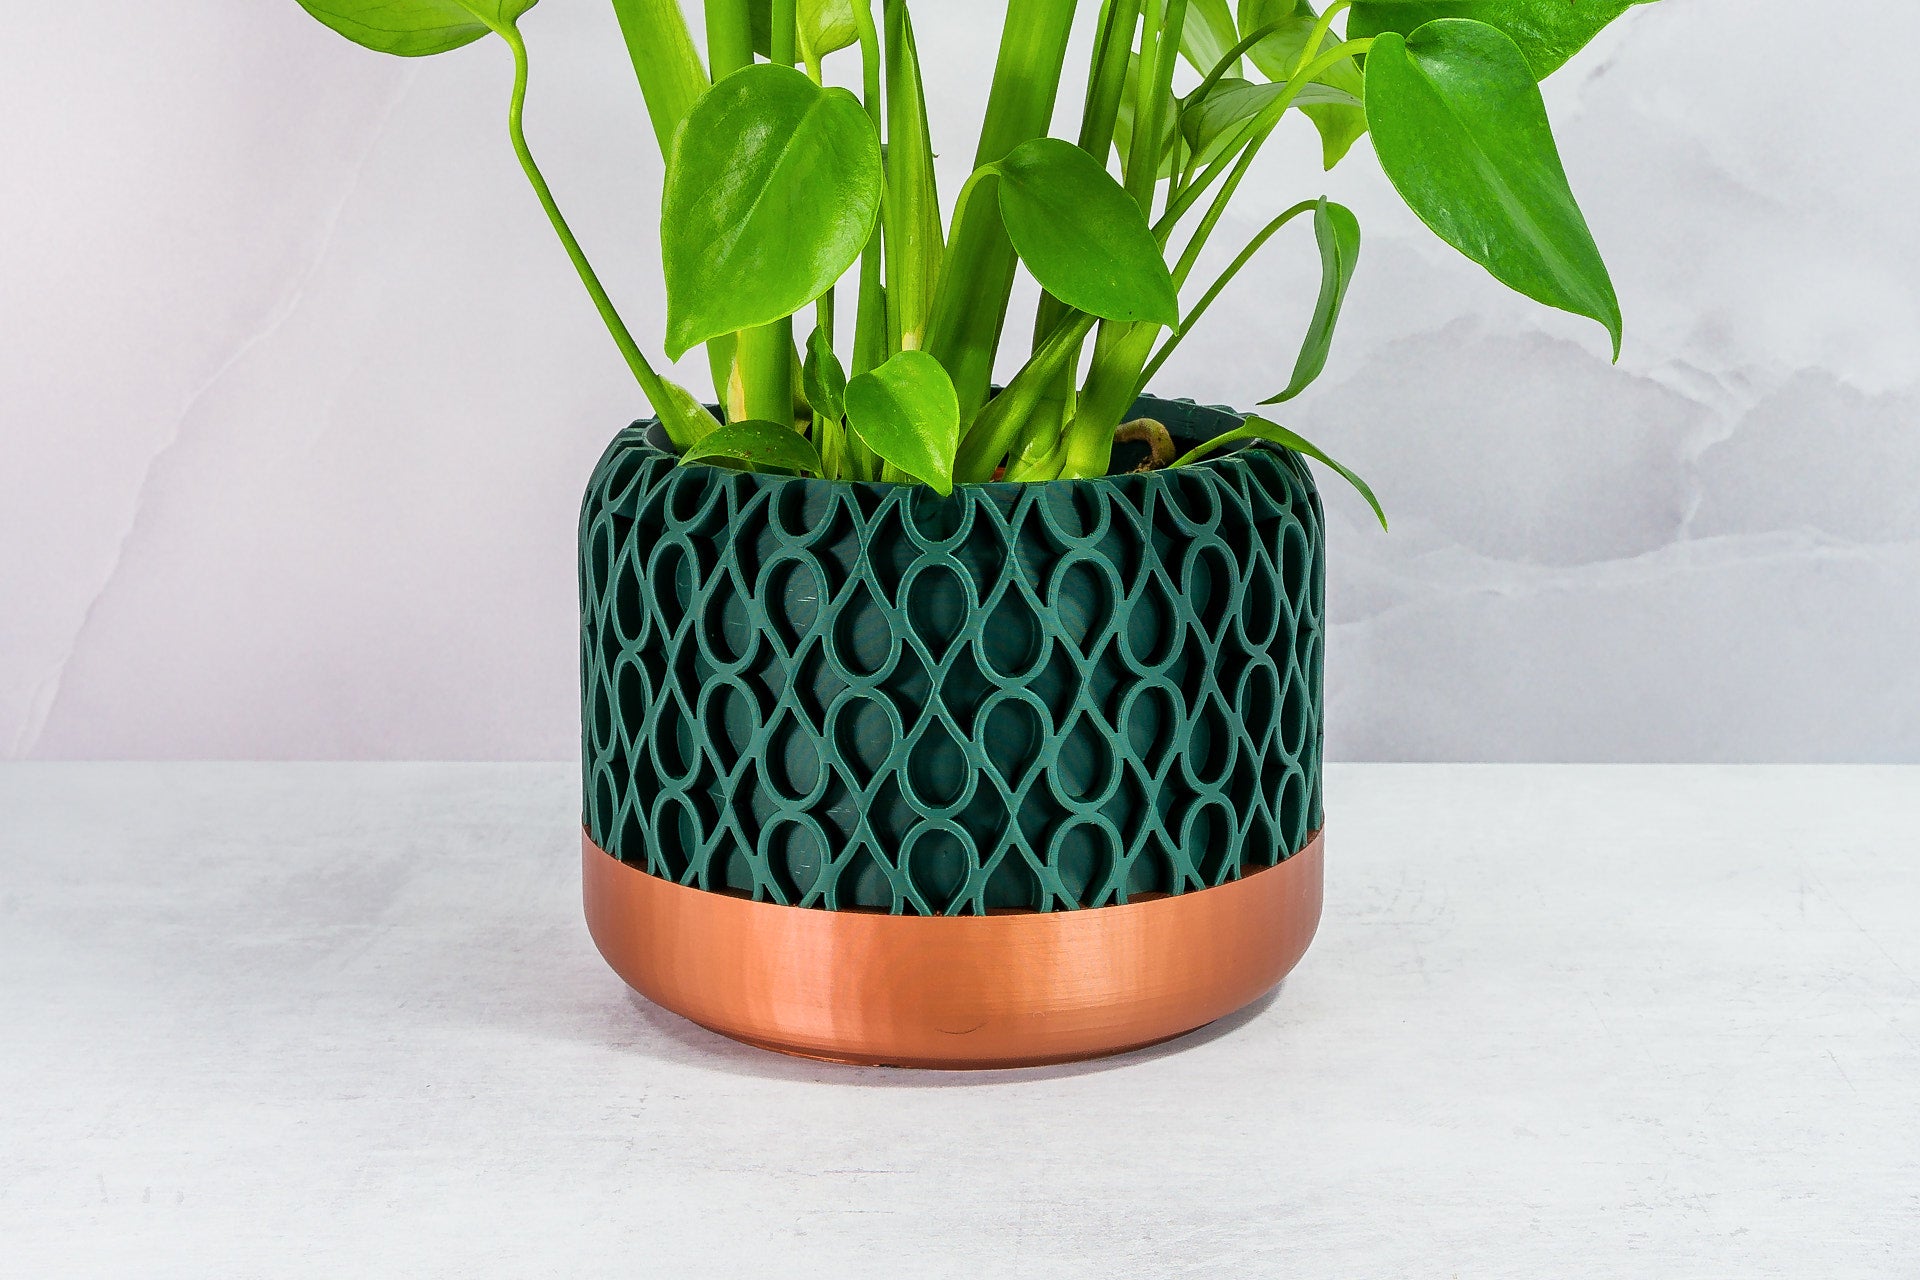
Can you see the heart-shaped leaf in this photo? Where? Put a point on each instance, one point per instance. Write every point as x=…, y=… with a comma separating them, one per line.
x=1547, y=31
x=1338, y=233
x=772, y=188
x=1340, y=123
x=906, y=411
x=415, y=28
x=1259, y=428
x=1462, y=134
x=759, y=445
x=824, y=379
x=1084, y=238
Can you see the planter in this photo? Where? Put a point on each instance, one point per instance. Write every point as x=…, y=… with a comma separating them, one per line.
x=1026, y=774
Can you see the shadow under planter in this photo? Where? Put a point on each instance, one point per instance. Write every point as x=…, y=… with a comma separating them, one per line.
x=1024, y=774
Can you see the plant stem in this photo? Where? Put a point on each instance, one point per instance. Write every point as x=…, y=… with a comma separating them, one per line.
x=672, y=79
x=1249, y=137
x=729, y=36
x=1106, y=85
x=999, y=425
x=1142, y=165
x=1026, y=76
x=870, y=306
x=1206, y=300
x=976, y=279
x=780, y=40
x=1263, y=126
x=764, y=354
x=1311, y=49
x=1231, y=59
x=1112, y=376
x=870, y=322
x=664, y=59
x=1120, y=349
x=913, y=241
x=650, y=382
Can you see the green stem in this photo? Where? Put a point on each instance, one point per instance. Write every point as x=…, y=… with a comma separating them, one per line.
x=672, y=79
x=1112, y=374
x=1026, y=76
x=913, y=243
x=764, y=354
x=999, y=426
x=1184, y=196
x=1206, y=300
x=969, y=306
x=1041, y=451
x=1263, y=126
x=870, y=307
x=1159, y=55
x=1106, y=86
x=1120, y=349
x=1141, y=167
x=1231, y=59
x=729, y=36
x=1184, y=185
x=664, y=60
x=650, y=382
x=1317, y=36
x=870, y=322
x=1250, y=136
x=780, y=40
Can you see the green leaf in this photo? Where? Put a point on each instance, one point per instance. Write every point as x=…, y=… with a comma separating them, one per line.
x=824, y=379
x=772, y=188
x=823, y=26
x=685, y=420
x=1207, y=34
x=906, y=411
x=1338, y=233
x=415, y=28
x=1340, y=124
x=759, y=445
x=1547, y=31
x=1463, y=136
x=1259, y=428
x=1210, y=124
x=1083, y=237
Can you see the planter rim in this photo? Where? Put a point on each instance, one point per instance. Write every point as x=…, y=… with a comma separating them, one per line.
x=653, y=438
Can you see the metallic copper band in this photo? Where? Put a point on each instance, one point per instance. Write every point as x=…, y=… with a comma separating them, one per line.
x=1018, y=989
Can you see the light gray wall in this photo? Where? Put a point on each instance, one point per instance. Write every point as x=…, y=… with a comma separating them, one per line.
x=300, y=395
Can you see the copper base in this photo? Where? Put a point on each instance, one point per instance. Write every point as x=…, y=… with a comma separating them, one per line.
x=1010, y=990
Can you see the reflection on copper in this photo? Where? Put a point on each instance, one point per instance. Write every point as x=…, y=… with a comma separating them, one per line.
x=1003, y=990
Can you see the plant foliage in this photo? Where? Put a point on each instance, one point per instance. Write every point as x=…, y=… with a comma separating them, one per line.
x=780, y=187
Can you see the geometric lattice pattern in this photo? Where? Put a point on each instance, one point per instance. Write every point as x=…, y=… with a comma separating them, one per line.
x=1022, y=697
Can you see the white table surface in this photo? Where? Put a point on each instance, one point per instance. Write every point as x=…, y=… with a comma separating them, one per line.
x=344, y=1021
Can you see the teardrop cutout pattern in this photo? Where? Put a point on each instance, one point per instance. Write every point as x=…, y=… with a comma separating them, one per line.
x=1039, y=697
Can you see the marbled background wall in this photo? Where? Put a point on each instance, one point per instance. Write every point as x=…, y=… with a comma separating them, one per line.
x=299, y=395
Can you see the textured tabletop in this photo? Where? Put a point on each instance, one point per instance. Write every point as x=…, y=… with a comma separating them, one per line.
x=299, y=1020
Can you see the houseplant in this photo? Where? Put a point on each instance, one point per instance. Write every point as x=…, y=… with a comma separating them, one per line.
x=929, y=722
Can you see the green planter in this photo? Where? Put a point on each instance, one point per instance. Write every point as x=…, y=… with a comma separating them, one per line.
x=1035, y=698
